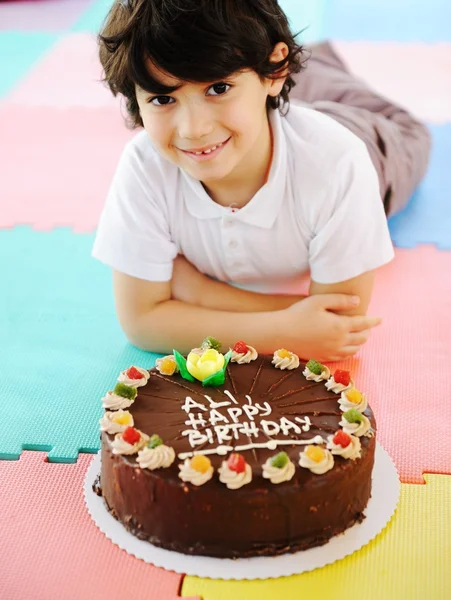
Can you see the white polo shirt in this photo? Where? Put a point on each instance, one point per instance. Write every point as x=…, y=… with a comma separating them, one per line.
x=320, y=211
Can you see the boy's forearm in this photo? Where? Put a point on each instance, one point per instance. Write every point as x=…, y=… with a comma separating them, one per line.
x=174, y=324
x=218, y=295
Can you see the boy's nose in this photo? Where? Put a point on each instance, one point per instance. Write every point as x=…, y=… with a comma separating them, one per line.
x=195, y=122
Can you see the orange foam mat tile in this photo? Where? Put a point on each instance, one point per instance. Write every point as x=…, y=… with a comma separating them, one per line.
x=52, y=550
x=409, y=560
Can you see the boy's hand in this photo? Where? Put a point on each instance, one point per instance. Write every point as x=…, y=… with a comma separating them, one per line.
x=317, y=332
x=187, y=281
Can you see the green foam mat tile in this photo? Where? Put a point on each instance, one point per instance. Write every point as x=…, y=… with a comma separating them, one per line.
x=61, y=346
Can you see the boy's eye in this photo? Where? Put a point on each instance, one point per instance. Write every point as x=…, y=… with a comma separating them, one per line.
x=161, y=100
x=219, y=88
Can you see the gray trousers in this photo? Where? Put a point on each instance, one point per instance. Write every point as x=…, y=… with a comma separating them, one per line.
x=398, y=144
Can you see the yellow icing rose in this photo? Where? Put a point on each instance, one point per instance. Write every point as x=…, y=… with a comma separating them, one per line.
x=203, y=366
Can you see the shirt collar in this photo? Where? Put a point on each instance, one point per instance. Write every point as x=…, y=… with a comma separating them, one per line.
x=263, y=208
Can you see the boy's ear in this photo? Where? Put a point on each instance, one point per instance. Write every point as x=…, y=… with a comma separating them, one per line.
x=279, y=53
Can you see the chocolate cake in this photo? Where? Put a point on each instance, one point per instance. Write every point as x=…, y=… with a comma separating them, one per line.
x=267, y=462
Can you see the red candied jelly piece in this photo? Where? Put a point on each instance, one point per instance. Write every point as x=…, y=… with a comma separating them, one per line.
x=341, y=439
x=240, y=348
x=131, y=436
x=343, y=377
x=133, y=373
x=236, y=463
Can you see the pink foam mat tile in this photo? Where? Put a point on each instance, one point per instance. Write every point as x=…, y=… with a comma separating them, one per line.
x=404, y=364
x=69, y=75
x=54, y=549
x=41, y=15
x=57, y=165
x=415, y=75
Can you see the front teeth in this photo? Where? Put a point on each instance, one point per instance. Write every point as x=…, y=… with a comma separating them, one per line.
x=208, y=151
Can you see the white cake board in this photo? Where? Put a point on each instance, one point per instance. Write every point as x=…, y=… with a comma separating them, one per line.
x=380, y=509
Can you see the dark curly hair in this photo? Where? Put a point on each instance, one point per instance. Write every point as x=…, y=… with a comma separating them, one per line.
x=196, y=41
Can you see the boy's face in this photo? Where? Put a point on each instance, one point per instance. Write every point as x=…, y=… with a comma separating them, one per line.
x=214, y=131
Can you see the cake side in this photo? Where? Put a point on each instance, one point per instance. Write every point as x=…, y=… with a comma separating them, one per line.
x=256, y=406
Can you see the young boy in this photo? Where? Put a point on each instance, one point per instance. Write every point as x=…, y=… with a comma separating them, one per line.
x=228, y=184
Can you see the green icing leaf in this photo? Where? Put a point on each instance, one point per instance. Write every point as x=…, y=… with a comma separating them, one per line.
x=211, y=342
x=155, y=440
x=279, y=460
x=181, y=363
x=353, y=416
x=218, y=378
x=125, y=391
x=315, y=367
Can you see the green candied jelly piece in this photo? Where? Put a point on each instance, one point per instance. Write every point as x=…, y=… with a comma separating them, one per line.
x=155, y=440
x=353, y=416
x=279, y=460
x=125, y=391
x=218, y=378
x=211, y=343
x=315, y=367
x=181, y=363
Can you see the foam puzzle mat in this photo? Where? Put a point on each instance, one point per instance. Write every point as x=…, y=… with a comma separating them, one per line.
x=409, y=559
x=62, y=348
x=55, y=551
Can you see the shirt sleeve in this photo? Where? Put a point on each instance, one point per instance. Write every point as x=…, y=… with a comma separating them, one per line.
x=350, y=231
x=133, y=235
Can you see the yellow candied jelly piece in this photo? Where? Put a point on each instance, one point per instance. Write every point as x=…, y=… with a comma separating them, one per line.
x=354, y=396
x=282, y=353
x=123, y=419
x=200, y=463
x=315, y=453
x=167, y=366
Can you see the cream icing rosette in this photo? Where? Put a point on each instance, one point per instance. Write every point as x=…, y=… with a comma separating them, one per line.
x=244, y=357
x=278, y=469
x=132, y=381
x=359, y=428
x=166, y=365
x=353, y=399
x=120, y=446
x=351, y=451
x=160, y=457
x=189, y=473
x=317, y=460
x=116, y=422
x=232, y=479
x=333, y=386
x=315, y=371
x=284, y=359
x=112, y=401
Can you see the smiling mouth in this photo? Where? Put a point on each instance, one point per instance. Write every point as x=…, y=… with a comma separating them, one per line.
x=208, y=150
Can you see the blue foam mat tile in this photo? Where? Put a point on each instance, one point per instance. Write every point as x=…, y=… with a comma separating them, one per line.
x=22, y=50
x=427, y=217
x=387, y=20
x=91, y=20
x=61, y=346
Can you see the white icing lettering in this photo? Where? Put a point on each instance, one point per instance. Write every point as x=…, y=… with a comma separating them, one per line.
x=195, y=438
x=232, y=398
x=190, y=403
x=249, y=429
x=216, y=416
x=222, y=433
x=270, y=427
x=234, y=413
x=306, y=421
x=286, y=426
x=249, y=399
x=195, y=420
x=250, y=411
x=214, y=404
x=209, y=435
x=266, y=411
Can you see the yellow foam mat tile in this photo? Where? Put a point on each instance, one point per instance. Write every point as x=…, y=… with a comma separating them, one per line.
x=409, y=560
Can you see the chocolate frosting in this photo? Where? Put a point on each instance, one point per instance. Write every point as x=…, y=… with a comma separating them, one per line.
x=260, y=518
